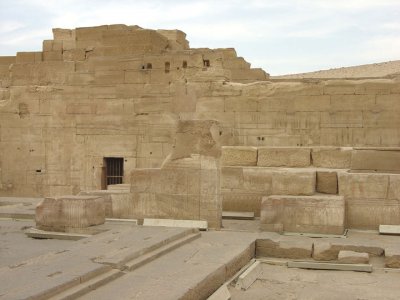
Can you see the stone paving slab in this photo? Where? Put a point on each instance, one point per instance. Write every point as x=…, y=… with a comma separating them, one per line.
x=15, y=246
x=194, y=270
x=55, y=271
x=13, y=207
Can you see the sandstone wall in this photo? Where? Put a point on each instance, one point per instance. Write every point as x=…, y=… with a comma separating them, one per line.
x=303, y=184
x=118, y=91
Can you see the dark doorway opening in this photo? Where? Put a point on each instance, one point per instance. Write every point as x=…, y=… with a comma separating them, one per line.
x=114, y=170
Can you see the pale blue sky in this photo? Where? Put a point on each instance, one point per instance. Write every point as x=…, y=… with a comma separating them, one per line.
x=281, y=36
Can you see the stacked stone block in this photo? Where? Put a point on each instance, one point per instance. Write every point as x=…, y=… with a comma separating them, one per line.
x=313, y=188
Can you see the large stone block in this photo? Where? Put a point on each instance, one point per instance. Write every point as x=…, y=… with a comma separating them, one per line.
x=293, y=249
x=327, y=182
x=376, y=160
x=363, y=185
x=309, y=214
x=258, y=180
x=283, y=157
x=231, y=177
x=118, y=203
x=394, y=187
x=325, y=251
x=239, y=156
x=331, y=157
x=108, y=207
x=392, y=258
x=68, y=212
x=241, y=201
x=370, y=213
x=293, y=182
x=352, y=257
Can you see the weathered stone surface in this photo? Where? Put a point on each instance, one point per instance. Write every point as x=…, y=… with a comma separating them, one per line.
x=375, y=160
x=351, y=257
x=118, y=202
x=325, y=251
x=327, y=182
x=196, y=137
x=363, y=186
x=239, y=156
x=243, y=187
x=293, y=182
x=108, y=207
x=394, y=186
x=370, y=213
x=63, y=213
x=312, y=214
x=331, y=157
x=283, y=157
x=295, y=249
x=392, y=258
x=187, y=186
x=371, y=199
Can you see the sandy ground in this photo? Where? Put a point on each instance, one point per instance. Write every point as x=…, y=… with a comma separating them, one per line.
x=363, y=71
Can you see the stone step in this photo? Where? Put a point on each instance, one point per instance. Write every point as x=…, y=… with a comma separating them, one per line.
x=200, y=224
x=389, y=229
x=87, y=286
x=146, y=258
x=238, y=215
x=122, y=186
x=83, y=260
x=118, y=259
x=194, y=271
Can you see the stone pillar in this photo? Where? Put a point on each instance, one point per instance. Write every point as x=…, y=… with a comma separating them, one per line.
x=187, y=184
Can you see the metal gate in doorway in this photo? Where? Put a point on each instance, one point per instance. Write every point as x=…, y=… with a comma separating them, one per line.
x=114, y=170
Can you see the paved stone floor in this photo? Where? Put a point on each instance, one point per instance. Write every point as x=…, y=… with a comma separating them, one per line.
x=191, y=269
x=16, y=247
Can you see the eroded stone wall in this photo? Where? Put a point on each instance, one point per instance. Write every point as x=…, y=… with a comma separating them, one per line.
x=119, y=91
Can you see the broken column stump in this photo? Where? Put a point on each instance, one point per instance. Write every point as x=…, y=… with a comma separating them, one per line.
x=69, y=212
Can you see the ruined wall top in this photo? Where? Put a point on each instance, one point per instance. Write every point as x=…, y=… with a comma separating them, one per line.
x=133, y=37
x=165, y=51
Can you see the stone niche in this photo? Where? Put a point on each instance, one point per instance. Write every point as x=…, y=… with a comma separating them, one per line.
x=187, y=184
x=69, y=213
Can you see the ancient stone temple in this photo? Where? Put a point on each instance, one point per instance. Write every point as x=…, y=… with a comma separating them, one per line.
x=128, y=142
x=99, y=106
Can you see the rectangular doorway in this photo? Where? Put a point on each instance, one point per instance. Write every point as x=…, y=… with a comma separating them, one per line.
x=114, y=170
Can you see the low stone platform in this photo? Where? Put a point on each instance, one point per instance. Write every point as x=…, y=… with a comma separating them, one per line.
x=65, y=212
x=308, y=214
